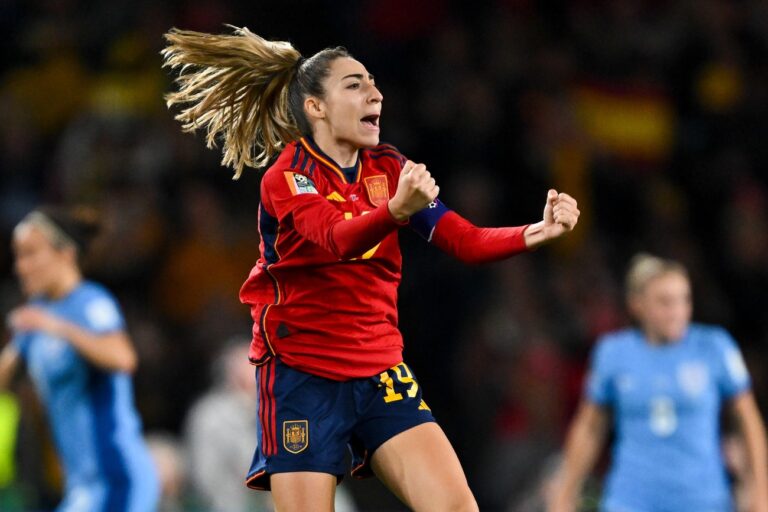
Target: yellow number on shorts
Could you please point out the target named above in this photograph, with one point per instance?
(404, 376)
(407, 379)
(389, 387)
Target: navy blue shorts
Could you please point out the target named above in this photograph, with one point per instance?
(308, 423)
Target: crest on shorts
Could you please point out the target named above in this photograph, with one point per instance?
(296, 435)
(378, 189)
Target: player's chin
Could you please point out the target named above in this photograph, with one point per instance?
(367, 139)
(675, 332)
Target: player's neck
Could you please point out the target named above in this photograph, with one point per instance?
(344, 154)
(659, 340)
(69, 280)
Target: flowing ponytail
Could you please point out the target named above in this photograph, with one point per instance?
(236, 87)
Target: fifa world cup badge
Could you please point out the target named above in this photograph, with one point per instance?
(378, 190)
(296, 435)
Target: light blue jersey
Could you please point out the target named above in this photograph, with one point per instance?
(666, 403)
(95, 426)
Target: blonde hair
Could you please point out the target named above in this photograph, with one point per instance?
(236, 87)
(645, 267)
(244, 90)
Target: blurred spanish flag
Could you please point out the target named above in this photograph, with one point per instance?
(630, 122)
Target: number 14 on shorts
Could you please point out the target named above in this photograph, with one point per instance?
(400, 375)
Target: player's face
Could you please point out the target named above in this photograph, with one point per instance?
(37, 262)
(664, 307)
(352, 104)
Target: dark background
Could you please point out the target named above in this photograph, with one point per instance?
(653, 114)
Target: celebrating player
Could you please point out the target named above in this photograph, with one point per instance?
(664, 383)
(323, 293)
(72, 338)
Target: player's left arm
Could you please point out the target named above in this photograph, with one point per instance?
(471, 244)
(735, 386)
(750, 424)
(110, 350)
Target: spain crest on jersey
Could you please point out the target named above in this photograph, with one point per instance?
(378, 190)
(296, 435)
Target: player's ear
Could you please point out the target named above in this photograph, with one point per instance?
(69, 253)
(314, 107)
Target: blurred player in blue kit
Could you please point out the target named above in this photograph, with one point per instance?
(71, 335)
(661, 387)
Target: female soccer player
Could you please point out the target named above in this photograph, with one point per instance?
(71, 335)
(323, 293)
(664, 382)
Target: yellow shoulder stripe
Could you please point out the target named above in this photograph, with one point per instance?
(335, 196)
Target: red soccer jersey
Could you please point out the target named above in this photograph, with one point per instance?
(323, 312)
(323, 294)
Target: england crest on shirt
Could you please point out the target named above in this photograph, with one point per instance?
(693, 377)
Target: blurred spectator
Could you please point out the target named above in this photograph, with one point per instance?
(221, 437)
(209, 258)
(171, 462)
(220, 434)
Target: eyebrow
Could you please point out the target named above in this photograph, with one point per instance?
(359, 76)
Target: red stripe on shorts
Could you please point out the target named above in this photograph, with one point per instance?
(272, 408)
(262, 408)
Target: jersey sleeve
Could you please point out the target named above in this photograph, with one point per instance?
(450, 232)
(425, 221)
(458, 237)
(102, 314)
(292, 197)
(599, 385)
(732, 374)
(20, 342)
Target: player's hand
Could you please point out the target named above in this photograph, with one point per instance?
(561, 214)
(416, 188)
(31, 318)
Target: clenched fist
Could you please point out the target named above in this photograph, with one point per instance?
(416, 188)
(561, 214)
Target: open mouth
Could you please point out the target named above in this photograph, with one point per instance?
(371, 121)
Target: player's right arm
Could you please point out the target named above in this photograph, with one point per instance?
(316, 219)
(9, 363)
(583, 445)
(111, 351)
